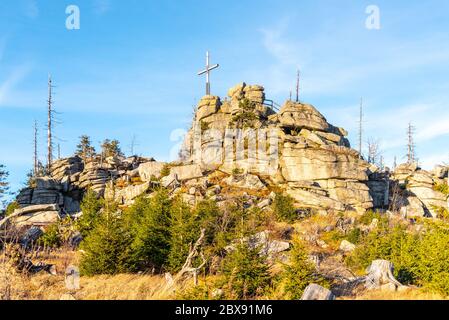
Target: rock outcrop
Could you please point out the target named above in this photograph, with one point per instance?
(299, 151)
(417, 193)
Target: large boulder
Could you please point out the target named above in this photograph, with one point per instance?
(299, 164)
(187, 172)
(149, 170)
(317, 292)
(207, 106)
(245, 181)
(297, 116)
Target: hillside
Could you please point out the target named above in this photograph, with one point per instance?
(263, 202)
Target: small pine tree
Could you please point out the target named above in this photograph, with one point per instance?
(111, 148)
(106, 248)
(246, 116)
(184, 230)
(299, 273)
(90, 207)
(284, 208)
(149, 223)
(246, 273)
(85, 149)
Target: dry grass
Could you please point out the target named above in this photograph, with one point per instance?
(410, 294)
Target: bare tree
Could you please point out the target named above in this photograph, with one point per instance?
(133, 144)
(297, 86)
(50, 113)
(374, 152)
(411, 154)
(361, 128)
(35, 158)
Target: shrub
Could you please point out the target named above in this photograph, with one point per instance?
(369, 215)
(245, 272)
(148, 221)
(184, 230)
(300, 272)
(246, 116)
(58, 234)
(442, 213)
(395, 244)
(433, 258)
(106, 248)
(283, 207)
(442, 187)
(165, 171)
(51, 237)
(90, 207)
(12, 207)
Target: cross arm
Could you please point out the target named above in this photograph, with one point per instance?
(208, 69)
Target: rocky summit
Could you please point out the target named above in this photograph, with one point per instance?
(248, 144)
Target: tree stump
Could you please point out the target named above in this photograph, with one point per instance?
(380, 273)
(317, 292)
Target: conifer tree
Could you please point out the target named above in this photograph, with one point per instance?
(300, 272)
(111, 148)
(90, 207)
(85, 149)
(149, 223)
(246, 272)
(105, 249)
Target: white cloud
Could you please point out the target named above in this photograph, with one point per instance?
(428, 162)
(7, 86)
(31, 9)
(101, 6)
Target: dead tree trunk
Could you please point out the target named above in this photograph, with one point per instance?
(380, 273)
(187, 268)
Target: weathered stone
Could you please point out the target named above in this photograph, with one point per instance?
(296, 116)
(347, 246)
(36, 208)
(41, 218)
(150, 170)
(207, 106)
(187, 172)
(317, 292)
(245, 181)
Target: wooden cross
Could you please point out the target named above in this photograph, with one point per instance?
(207, 71)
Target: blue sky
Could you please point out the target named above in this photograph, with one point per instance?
(131, 69)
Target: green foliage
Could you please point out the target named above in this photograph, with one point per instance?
(111, 148)
(433, 258)
(246, 116)
(12, 207)
(51, 238)
(165, 170)
(245, 272)
(90, 206)
(283, 207)
(418, 259)
(442, 187)
(106, 248)
(4, 185)
(148, 221)
(237, 171)
(393, 244)
(300, 272)
(57, 234)
(354, 235)
(369, 215)
(184, 230)
(442, 213)
(200, 292)
(204, 126)
(84, 149)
